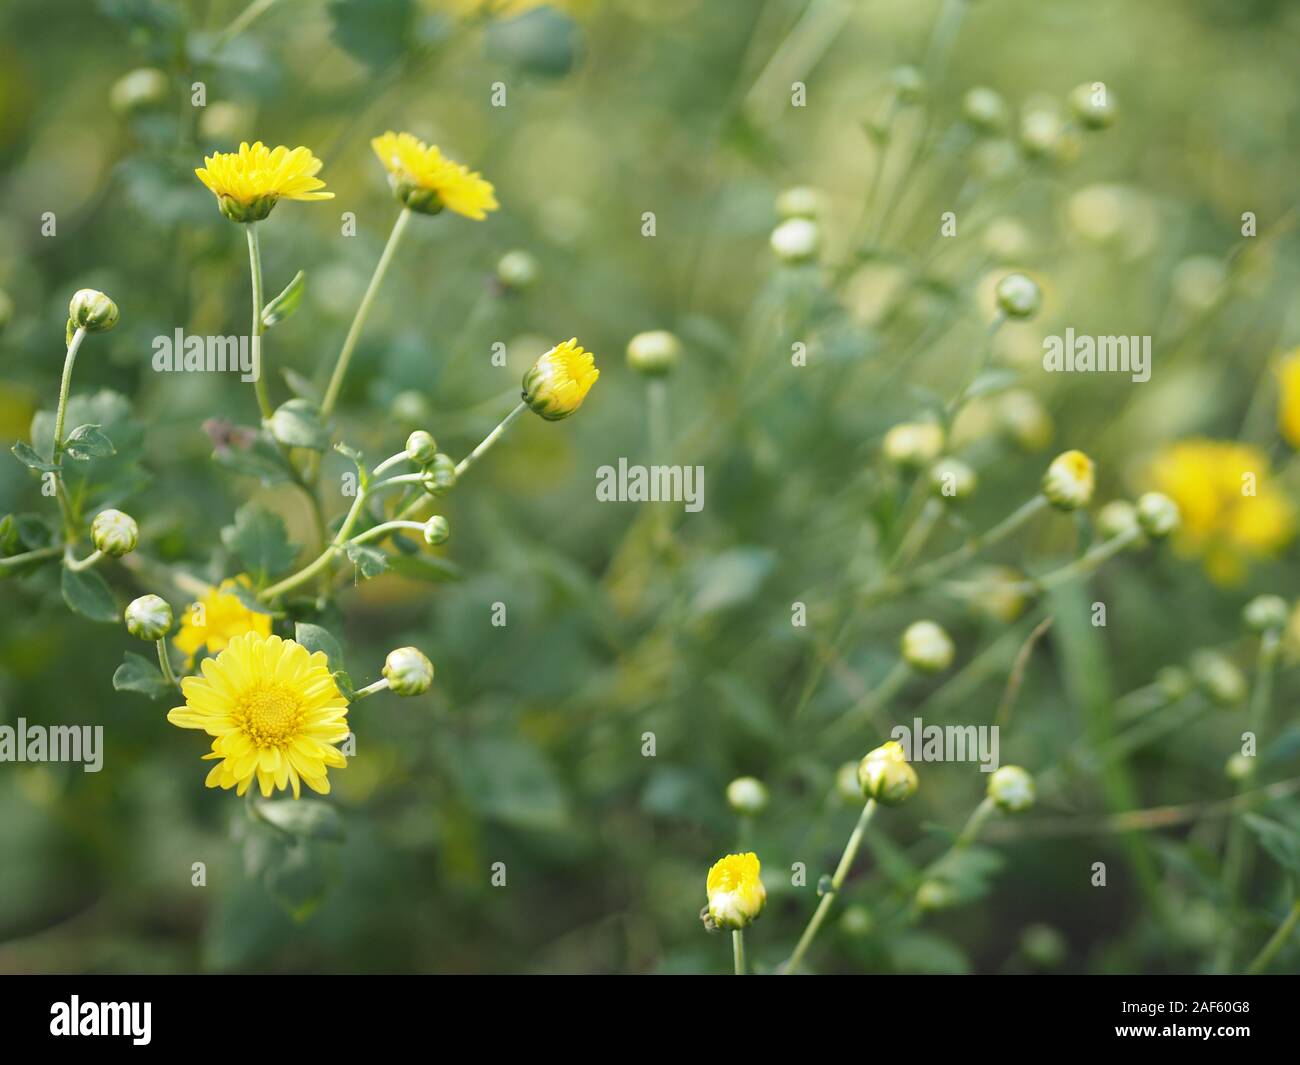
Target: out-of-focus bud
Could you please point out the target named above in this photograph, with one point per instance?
(1069, 481)
(557, 383)
(436, 530)
(1092, 105)
(1266, 613)
(736, 892)
(985, 109)
(114, 533)
(654, 353)
(994, 158)
(92, 311)
(1239, 768)
(1157, 514)
(408, 671)
(857, 922)
(747, 795)
(139, 90)
(952, 479)
(1218, 677)
(410, 408)
(440, 476)
(885, 775)
(1044, 946)
(913, 445)
(999, 593)
(1007, 240)
(1024, 419)
(1018, 296)
(422, 447)
(801, 201)
(909, 84)
(926, 647)
(934, 895)
(1044, 135)
(846, 783)
(517, 270)
(1117, 518)
(148, 618)
(796, 240)
(1011, 789)
(1173, 682)
(1198, 281)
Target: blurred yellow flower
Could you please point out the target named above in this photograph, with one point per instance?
(218, 618)
(1288, 410)
(559, 381)
(1231, 511)
(427, 182)
(249, 183)
(505, 8)
(735, 890)
(275, 711)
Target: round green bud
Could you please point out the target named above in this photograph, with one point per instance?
(1157, 514)
(796, 240)
(148, 618)
(1043, 135)
(1019, 296)
(1218, 677)
(139, 90)
(92, 311)
(1044, 946)
(440, 478)
(747, 795)
(885, 775)
(436, 530)
(1069, 481)
(1173, 682)
(846, 783)
(801, 201)
(934, 895)
(408, 671)
(421, 447)
(1092, 105)
(984, 109)
(517, 270)
(857, 922)
(926, 647)
(1266, 613)
(909, 84)
(913, 445)
(1011, 789)
(1117, 518)
(114, 533)
(952, 479)
(1239, 768)
(410, 408)
(655, 353)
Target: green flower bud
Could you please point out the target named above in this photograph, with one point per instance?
(1218, 677)
(1023, 418)
(408, 671)
(1157, 514)
(801, 201)
(114, 533)
(92, 311)
(985, 109)
(148, 618)
(1019, 296)
(139, 90)
(857, 922)
(913, 445)
(1117, 518)
(655, 353)
(1069, 481)
(885, 775)
(1043, 135)
(1011, 789)
(747, 795)
(909, 84)
(952, 479)
(440, 477)
(1044, 946)
(926, 647)
(517, 270)
(436, 530)
(1239, 768)
(846, 783)
(410, 408)
(421, 447)
(934, 895)
(796, 240)
(1093, 106)
(1173, 682)
(1266, 613)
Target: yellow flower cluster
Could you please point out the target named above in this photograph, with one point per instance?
(217, 618)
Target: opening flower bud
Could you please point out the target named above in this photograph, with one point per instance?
(885, 775)
(440, 477)
(408, 671)
(114, 533)
(735, 890)
(436, 530)
(1018, 296)
(1157, 514)
(421, 447)
(796, 240)
(1069, 481)
(655, 353)
(747, 795)
(92, 311)
(1012, 789)
(557, 383)
(148, 618)
(926, 647)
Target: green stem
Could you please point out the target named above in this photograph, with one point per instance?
(489, 440)
(738, 950)
(378, 532)
(363, 312)
(958, 401)
(322, 561)
(165, 665)
(1276, 941)
(837, 881)
(370, 689)
(77, 565)
(927, 573)
(255, 336)
(32, 556)
(975, 823)
(868, 708)
(60, 416)
(1083, 565)
(242, 21)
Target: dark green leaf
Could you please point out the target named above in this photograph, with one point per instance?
(138, 674)
(369, 561)
(1281, 841)
(316, 638)
(27, 455)
(86, 593)
(88, 442)
(297, 423)
(259, 539)
(286, 303)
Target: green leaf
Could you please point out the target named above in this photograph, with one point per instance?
(378, 32)
(543, 41)
(297, 423)
(87, 442)
(27, 455)
(509, 780)
(924, 952)
(301, 386)
(316, 638)
(138, 674)
(310, 818)
(284, 305)
(86, 593)
(369, 561)
(358, 460)
(1281, 841)
(105, 480)
(425, 568)
(262, 460)
(259, 539)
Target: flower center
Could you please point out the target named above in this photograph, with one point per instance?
(269, 714)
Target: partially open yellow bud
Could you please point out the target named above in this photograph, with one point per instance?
(885, 775)
(735, 890)
(558, 382)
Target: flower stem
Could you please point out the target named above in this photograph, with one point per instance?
(60, 417)
(363, 312)
(255, 335)
(32, 556)
(868, 709)
(380, 685)
(841, 871)
(165, 665)
(999, 532)
(464, 464)
(738, 950)
(322, 561)
(975, 823)
(77, 565)
(1276, 941)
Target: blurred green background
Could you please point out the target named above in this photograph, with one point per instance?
(528, 751)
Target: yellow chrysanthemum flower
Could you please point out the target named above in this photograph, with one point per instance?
(218, 618)
(275, 711)
(248, 183)
(1288, 409)
(425, 181)
(559, 381)
(735, 890)
(1231, 511)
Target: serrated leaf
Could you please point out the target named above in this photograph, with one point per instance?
(28, 456)
(297, 423)
(260, 541)
(286, 303)
(86, 593)
(370, 562)
(88, 442)
(309, 818)
(138, 674)
(317, 638)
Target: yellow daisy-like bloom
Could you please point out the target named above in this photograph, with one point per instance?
(275, 711)
(248, 183)
(735, 890)
(559, 381)
(218, 618)
(1288, 410)
(426, 182)
(1231, 511)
